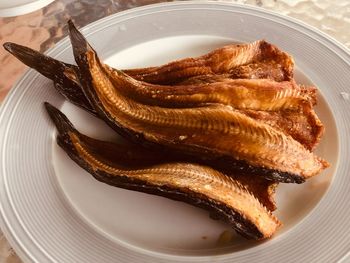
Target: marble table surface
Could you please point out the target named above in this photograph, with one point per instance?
(41, 29)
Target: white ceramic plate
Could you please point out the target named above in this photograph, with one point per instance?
(21, 7)
(53, 211)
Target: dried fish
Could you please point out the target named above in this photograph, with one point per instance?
(199, 185)
(259, 59)
(211, 132)
(303, 126)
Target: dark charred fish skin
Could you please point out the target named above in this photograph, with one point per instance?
(61, 73)
(241, 218)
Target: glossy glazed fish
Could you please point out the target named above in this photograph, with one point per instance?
(304, 126)
(201, 186)
(205, 132)
(291, 103)
(252, 94)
